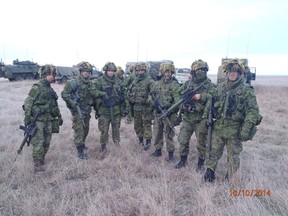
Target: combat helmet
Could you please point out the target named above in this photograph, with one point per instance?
(140, 66)
(85, 66)
(47, 69)
(167, 67)
(109, 66)
(199, 64)
(131, 68)
(119, 71)
(234, 65)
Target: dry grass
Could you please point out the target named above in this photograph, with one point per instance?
(129, 181)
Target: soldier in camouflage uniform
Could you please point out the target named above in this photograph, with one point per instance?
(236, 114)
(42, 99)
(193, 114)
(120, 74)
(127, 83)
(112, 104)
(78, 91)
(141, 103)
(167, 92)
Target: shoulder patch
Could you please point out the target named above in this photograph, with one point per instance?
(34, 92)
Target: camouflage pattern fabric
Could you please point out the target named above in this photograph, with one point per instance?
(84, 88)
(42, 99)
(104, 122)
(167, 93)
(193, 119)
(236, 112)
(138, 95)
(111, 106)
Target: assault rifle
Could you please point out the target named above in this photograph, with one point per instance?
(185, 98)
(29, 132)
(160, 108)
(210, 125)
(76, 98)
(111, 103)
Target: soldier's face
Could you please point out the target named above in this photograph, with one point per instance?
(140, 72)
(50, 78)
(232, 75)
(110, 73)
(167, 75)
(85, 74)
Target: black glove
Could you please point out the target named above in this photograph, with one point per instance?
(60, 121)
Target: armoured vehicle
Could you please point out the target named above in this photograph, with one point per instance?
(250, 72)
(20, 70)
(64, 73)
(1, 71)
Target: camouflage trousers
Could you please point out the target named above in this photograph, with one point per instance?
(233, 146)
(143, 124)
(160, 128)
(41, 140)
(186, 131)
(104, 122)
(80, 132)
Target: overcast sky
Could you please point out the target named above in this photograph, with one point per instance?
(66, 32)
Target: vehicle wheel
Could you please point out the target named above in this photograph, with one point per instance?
(29, 77)
(19, 78)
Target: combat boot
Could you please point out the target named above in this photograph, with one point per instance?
(38, 166)
(200, 165)
(117, 143)
(209, 175)
(171, 157)
(141, 140)
(81, 154)
(147, 145)
(157, 153)
(182, 162)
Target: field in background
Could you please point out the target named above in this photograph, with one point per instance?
(128, 181)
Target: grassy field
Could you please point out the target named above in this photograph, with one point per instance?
(128, 181)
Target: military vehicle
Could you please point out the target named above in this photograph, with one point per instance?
(250, 74)
(1, 71)
(65, 73)
(20, 70)
(153, 67)
(182, 75)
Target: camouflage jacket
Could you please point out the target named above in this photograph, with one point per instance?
(138, 93)
(84, 88)
(42, 99)
(234, 107)
(195, 109)
(167, 92)
(110, 94)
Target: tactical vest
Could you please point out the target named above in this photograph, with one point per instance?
(165, 92)
(230, 103)
(139, 91)
(45, 100)
(114, 91)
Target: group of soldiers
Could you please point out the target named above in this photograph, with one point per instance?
(163, 104)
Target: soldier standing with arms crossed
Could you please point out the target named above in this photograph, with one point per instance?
(78, 97)
(42, 101)
(236, 114)
(193, 114)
